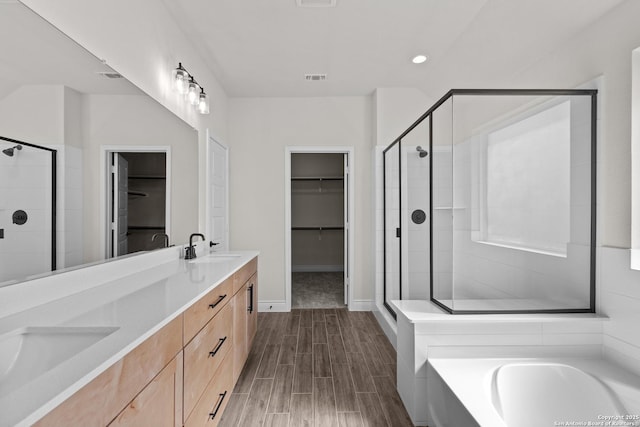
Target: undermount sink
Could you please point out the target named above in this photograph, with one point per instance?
(212, 258)
(29, 352)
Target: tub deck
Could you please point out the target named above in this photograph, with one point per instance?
(472, 381)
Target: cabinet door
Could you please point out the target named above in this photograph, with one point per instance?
(252, 309)
(240, 349)
(159, 404)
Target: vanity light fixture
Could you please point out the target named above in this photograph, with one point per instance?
(185, 84)
(419, 59)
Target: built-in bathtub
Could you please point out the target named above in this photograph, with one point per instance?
(531, 392)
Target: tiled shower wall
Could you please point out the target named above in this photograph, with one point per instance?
(618, 295)
(69, 210)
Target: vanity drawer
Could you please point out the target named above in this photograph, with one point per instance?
(242, 275)
(204, 355)
(196, 316)
(210, 407)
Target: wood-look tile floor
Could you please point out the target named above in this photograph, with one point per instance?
(318, 367)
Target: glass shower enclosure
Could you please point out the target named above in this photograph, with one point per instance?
(27, 210)
(489, 203)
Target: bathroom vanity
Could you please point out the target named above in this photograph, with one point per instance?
(163, 345)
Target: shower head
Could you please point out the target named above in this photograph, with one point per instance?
(423, 153)
(9, 151)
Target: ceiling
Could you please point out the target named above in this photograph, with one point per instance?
(264, 48)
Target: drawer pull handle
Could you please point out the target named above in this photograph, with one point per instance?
(215, 350)
(220, 298)
(250, 290)
(221, 397)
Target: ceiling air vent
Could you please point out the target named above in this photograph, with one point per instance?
(110, 74)
(316, 3)
(315, 77)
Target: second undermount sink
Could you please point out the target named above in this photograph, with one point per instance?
(213, 258)
(29, 352)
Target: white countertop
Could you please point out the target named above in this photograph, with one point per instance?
(138, 304)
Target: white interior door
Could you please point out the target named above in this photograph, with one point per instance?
(218, 197)
(120, 204)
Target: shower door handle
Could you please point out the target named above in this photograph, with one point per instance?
(398, 232)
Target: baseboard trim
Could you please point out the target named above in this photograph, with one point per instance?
(362, 305)
(272, 306)
(388, 325)
(317, 268)
(281, 306)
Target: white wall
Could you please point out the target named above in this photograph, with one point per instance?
(635, 150)
(29, 104)
(260, 129)
(395, 109)
(619, 298)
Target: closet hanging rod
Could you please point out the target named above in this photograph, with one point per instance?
(317, 228)
(317, 178)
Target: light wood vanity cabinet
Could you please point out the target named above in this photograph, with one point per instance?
(205, 354)
(183, 374)
(245, 321)
(160, 403)
(252, 321)
(239, 304)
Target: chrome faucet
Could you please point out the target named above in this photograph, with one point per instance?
(190, 251)
(165, 237)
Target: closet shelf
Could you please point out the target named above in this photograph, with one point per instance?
(146, 177)
(317, 178)
(320, 228)
(318, 190)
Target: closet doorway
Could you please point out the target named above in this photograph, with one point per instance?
(137, 199)
(318, 195)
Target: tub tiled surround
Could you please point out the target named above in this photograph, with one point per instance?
(619, 298)
(423, 329)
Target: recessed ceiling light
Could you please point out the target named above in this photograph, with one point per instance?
(419, 59)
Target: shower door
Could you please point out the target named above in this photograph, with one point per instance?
(392, 197)
(406, 222)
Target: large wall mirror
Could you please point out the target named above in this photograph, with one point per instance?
(125, 168)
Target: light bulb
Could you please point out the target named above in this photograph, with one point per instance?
(203, 103)
(419, 59)
(181, 80)
(193, 92)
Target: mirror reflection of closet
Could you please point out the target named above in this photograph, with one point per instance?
(139, 202)
(317, 232)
